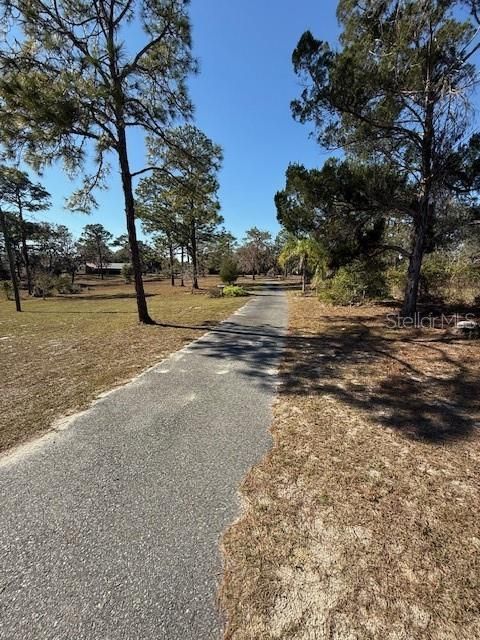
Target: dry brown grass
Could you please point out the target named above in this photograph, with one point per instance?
(363, 522)
(59, 353)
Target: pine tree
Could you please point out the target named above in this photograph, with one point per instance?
(69, 76)
(398, 91)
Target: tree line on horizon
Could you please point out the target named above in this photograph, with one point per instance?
(41, 256)
(396, 98)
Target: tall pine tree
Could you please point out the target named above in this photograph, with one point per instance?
(397, 91)
(71, 75)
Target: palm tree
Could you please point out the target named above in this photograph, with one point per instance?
(307, 251)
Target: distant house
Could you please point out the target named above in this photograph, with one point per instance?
(109, 269)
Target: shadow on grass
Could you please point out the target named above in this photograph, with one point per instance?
(366, 372)
(415, 385)
(434, 398)
(410, 383)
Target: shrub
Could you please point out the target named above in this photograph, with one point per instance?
(44, 285)
(341, 289)
(450, 277)
(127, 273)
(436, 275)
(228, 271)
(214, 292)
(354, 283)
(64, 285)
(396, 279)
(7, 289)
(446, 276)
(234, 291)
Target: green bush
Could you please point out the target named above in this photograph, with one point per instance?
(436, 275)
(354, 283)
(8, 290)
(65, 286)
(127, 273)
(234, 291)
(447, 276)
(450, 277)
(44, 285)
(228, 271)
(396, 279)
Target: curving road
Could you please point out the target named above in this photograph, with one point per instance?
(109, 529)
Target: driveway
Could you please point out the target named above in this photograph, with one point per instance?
(109, 529)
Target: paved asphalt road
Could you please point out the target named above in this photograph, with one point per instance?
(109, 529)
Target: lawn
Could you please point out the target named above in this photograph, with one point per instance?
(59, 353)
(363, 521)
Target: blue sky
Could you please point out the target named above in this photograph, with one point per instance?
(242, 101)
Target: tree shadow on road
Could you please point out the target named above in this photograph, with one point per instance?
(254, 349)
(422, 385)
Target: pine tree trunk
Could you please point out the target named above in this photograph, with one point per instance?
(304, 274)
(170, 259)
(101, 264)
(424, 214)
(18, 264)
(409, 306)
(143, 315)
(193, 240)
(420, 229)
(26, 257)
(11, 260)
(182, 283)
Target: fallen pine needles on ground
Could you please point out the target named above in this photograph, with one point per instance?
(362, 523)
